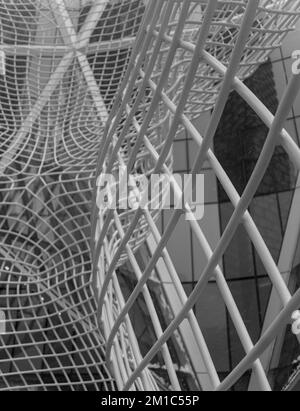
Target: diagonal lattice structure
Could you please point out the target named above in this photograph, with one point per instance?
(61, 65)
(188, 57)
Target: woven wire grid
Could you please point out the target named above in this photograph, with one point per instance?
(161, 43)
(61, 65)
(269, 29)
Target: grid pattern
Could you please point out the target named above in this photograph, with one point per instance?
(61, 64)
(229, 33)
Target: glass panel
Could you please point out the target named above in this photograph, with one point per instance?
(285, 201)
(238, 260)
(266, 214)
(264, 289)
(245, 295)
(211, 313)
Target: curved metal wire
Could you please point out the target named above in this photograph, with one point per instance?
(62, 63)
(188, 57)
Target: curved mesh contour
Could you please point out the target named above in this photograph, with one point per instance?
(219, 46)
(61, 65)
(269, 29)
(188, 57)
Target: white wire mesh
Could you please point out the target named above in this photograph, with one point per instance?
(189, 55)
(269, 28)
(62, 63)
(267, 32)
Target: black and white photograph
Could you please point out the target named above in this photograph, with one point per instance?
(149, 198)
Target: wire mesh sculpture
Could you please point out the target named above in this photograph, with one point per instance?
(61, 65)
(221, 40)
(269, 29)
(188, 57)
